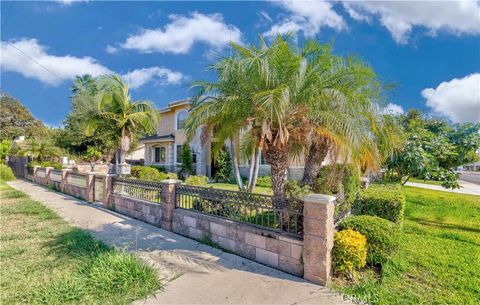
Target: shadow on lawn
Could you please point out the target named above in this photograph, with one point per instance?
(437, 224)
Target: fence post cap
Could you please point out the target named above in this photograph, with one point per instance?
(319, 198)
(170, 181)
(50, 167)
(66, 169)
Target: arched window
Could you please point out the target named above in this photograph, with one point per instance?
(181, 116)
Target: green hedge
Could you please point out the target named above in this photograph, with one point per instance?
(151, 173)
(55, 165)
(341, 180)
(381, 234)
(197, 180)
(383, 200)
(6, 173)
(264, 181)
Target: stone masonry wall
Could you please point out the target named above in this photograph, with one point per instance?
(75, 191)
(146, 211)
(264, 246)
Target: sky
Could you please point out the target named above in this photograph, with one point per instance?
(430, 50)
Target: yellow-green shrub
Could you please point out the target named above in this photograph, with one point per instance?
(6, 173)
(349, 252)
(197, 180)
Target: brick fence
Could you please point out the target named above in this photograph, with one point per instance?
(307, 255)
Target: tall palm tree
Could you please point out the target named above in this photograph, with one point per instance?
(128, 117)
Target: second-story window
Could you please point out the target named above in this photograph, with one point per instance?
(181, 117)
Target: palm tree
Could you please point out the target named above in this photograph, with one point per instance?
(127, 117)
(40, 150)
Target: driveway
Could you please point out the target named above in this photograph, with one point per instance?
(193, 273)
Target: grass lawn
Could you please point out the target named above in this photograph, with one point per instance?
(439, 257)
(45, 261)
(233, 187)
(432, 182)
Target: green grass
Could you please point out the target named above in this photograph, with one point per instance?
(45, 261)
(432, 182)
(439, 257)
(234, 187)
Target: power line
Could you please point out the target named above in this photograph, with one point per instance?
(33, 59)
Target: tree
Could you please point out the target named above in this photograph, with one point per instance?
(186, 158)
(41, 150)
(433, 149)
(4, 150)
(125, 118)
(16, 120)
(85, 106)
(223, 165)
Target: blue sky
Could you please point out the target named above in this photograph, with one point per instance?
(430, 50)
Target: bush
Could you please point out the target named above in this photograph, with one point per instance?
(264, 181)
(381, 234)
(197, 180)
(341, 180)
(151, 173)
(6, 173)
(223, 165)
(294, 190)
(383, 200)
(349, 252)
(55, 165)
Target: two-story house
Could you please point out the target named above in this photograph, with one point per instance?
(164, 149)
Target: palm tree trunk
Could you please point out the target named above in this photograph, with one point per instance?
(316, 155)
(254, 174)
(236, 170)
(124, 146)
(278, 160)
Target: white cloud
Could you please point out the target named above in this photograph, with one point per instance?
(400, 17)
(111, 49)
(160, 75)
(457, 99)
(393, 109)
(183, 32)
(30, 59)
(307, 16)
(69, 2)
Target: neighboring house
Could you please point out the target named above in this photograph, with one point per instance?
(472, 167)
(164, 148)
(137, 155)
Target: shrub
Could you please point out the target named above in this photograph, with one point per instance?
(264, 181)
(349, 252)
(6, 173)
(197, 180)
(55, 165)
(381, 234)
(341, 180)
(223, 165)
(383, 200)
(151, 173)
(294, 190)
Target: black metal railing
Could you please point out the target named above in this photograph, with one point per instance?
(98, 189)
(277, 213)
(56, 175)
(77, 179)
(141, 189)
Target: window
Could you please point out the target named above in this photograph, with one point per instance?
(262, 159)
(181, 116)
(160, 154)
(194, 157)
(179, 153)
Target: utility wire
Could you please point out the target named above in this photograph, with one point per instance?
(33, 59)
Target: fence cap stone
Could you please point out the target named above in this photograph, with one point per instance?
(171, 181)
(319, 198)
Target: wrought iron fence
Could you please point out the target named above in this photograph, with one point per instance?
(77, 179)
(29, 173)
(277, 213)
(141, 189)
(98, 189)
(56, 175)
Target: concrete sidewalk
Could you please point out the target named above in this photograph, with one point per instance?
(466, 187)
(193, 273)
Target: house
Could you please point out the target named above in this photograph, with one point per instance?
(164, 148)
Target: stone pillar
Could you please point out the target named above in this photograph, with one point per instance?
(167, 204)
(48, 170)
(318, 237)
(107, 190)
(90, 187)
(35, 172)
(64, 179)
(25, 171)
